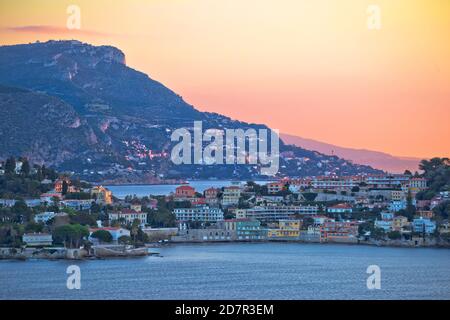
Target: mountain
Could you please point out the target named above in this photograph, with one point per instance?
(36, 125)
(375, 159)
(109, 120)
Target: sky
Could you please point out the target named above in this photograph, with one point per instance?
(317, 69)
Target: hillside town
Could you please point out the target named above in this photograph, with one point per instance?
(45, 213)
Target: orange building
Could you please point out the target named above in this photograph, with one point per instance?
(183, 192)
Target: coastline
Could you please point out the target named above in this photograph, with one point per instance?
(144, 251)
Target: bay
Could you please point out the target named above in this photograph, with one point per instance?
(239, 271)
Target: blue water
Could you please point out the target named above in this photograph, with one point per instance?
(239, 271)
(164, 189)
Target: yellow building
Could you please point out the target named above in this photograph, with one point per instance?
(102, 194)
(417, 184)
(286, 229)
(399, 222)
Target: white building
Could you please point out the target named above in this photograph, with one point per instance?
(37, 239)
(128, 216)
(116, 233)
(278, 212)
(44, 217)
(340, 208)
(231, 196)
(334, 182)
(199, 213)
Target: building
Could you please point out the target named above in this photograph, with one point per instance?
(383, 181)
(59, 183)
(245, 229)
(386, 225)
(37, 239)
(136, 207)
(340, 208)
(279, 212)
(334, 182)
(396, 206)
(425, 214)
(49, 197)
(128, 216)
(339, 231)
(423, 225)
(165, 233)
(204, 235)
(318, 220)
(387, 216)
(199, 213)
(275, 187)
(77, 204)
(18, 168)
(417, 184)
(102, 195)
(312, 234)
(399, 222)
(287, 229)
(231, 196)
(184, 193)
(297, 185)
(116, 233)
(44, 217)
(397, 195)
(240, 213)
(211, 193)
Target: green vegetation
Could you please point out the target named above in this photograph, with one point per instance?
(309, 196)
(26, 182)
(437, 172)
(103, 236)
(442, 211)
(70, 235)
(163, 216)
(394, 235)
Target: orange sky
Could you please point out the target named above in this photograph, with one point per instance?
(310, 68)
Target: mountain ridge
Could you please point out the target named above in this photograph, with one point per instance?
(130, 115)
(376, 159)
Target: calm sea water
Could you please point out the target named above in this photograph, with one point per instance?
(164, 189)
(239, 271)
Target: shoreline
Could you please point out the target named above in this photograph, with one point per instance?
(90, 257)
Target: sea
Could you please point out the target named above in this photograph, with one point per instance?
(239, 271)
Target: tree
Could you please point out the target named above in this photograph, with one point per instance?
(65, 187)
(25, 167)
(309, 196)
(134, 229)
(83, 219)
(10, 165)
(410, 210)
(34, 227)
(70, 235)
(442, 210)
(437, 173)
(378, 233)
(103, 236)
(394, 235)
(124, 240)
